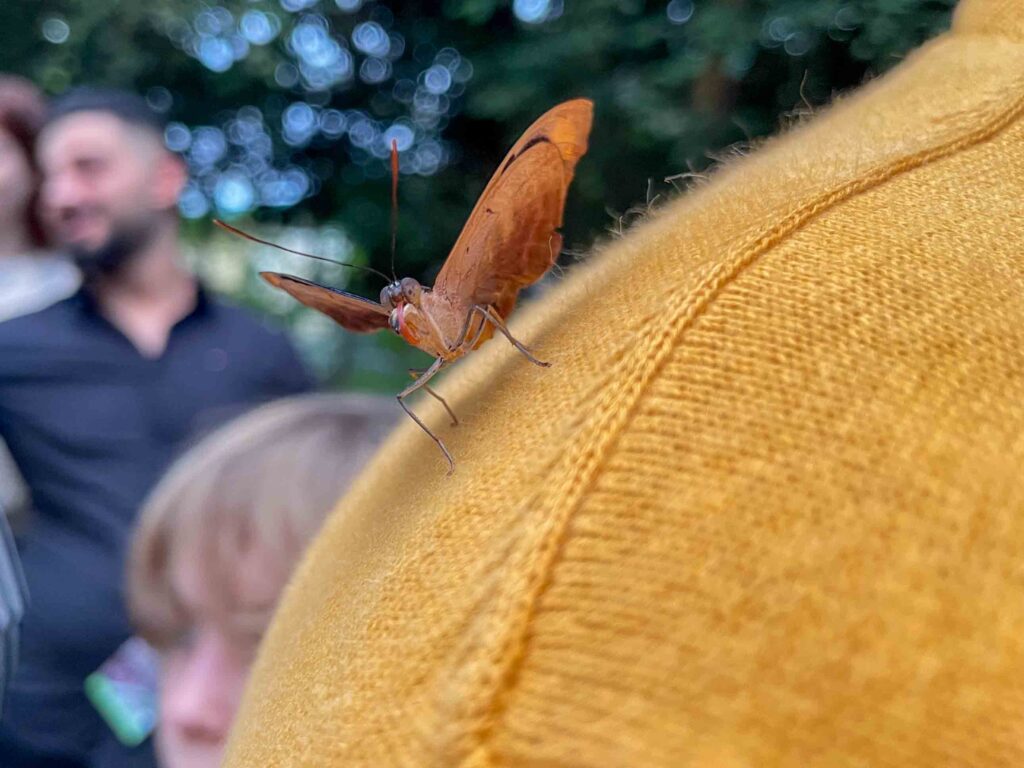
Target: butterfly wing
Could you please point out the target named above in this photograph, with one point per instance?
(354, 313)
(510, 239)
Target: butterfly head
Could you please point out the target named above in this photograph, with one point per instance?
(402, 297)
(404, 291)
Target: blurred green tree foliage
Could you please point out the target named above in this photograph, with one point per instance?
(285, 108)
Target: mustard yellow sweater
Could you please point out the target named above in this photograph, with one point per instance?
(767, 506)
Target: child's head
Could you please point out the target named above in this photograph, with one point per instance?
(216, 542)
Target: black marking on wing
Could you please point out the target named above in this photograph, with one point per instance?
(352, 312)
(531, 143)
(368, 303)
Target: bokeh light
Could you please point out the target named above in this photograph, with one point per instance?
(56, 30)
(370, 38)
(536, 11)
(192, 202)
(234, 193)
(177, 137)
(400, 133)
(216, 53)
(160, 99)
(259, 28)
(679, 11)
(374, 71)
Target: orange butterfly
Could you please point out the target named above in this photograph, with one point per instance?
(508, 243)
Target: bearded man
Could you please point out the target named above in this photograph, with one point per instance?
(97, 395)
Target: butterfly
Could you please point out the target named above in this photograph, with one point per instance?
(509, 242)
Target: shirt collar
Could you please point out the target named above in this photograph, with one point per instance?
(85, 299)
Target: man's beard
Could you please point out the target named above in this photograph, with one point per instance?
(110, 258)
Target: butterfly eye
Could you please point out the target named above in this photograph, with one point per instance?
(385, 297)
(411, 290)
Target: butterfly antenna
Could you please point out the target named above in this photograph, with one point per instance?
(247, 236)
(394, 205)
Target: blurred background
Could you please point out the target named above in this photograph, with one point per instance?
(285, 110)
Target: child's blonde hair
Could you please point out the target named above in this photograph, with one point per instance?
(261, 484)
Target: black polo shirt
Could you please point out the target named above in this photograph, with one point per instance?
(92, 424)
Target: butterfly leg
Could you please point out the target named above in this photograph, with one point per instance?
(415, 372)
(490, 315)
(465, 329)
(422, 382)
(480, 331)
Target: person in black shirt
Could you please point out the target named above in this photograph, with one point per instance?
(98, 394)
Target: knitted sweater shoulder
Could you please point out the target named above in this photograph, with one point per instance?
(765, 508)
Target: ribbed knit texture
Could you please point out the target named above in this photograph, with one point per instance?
(767, 506)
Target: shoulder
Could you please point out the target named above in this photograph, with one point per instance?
(31, 282)
(265, 347)
(27, 341)
(35, 327)
(245, 322)
(252, 334)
